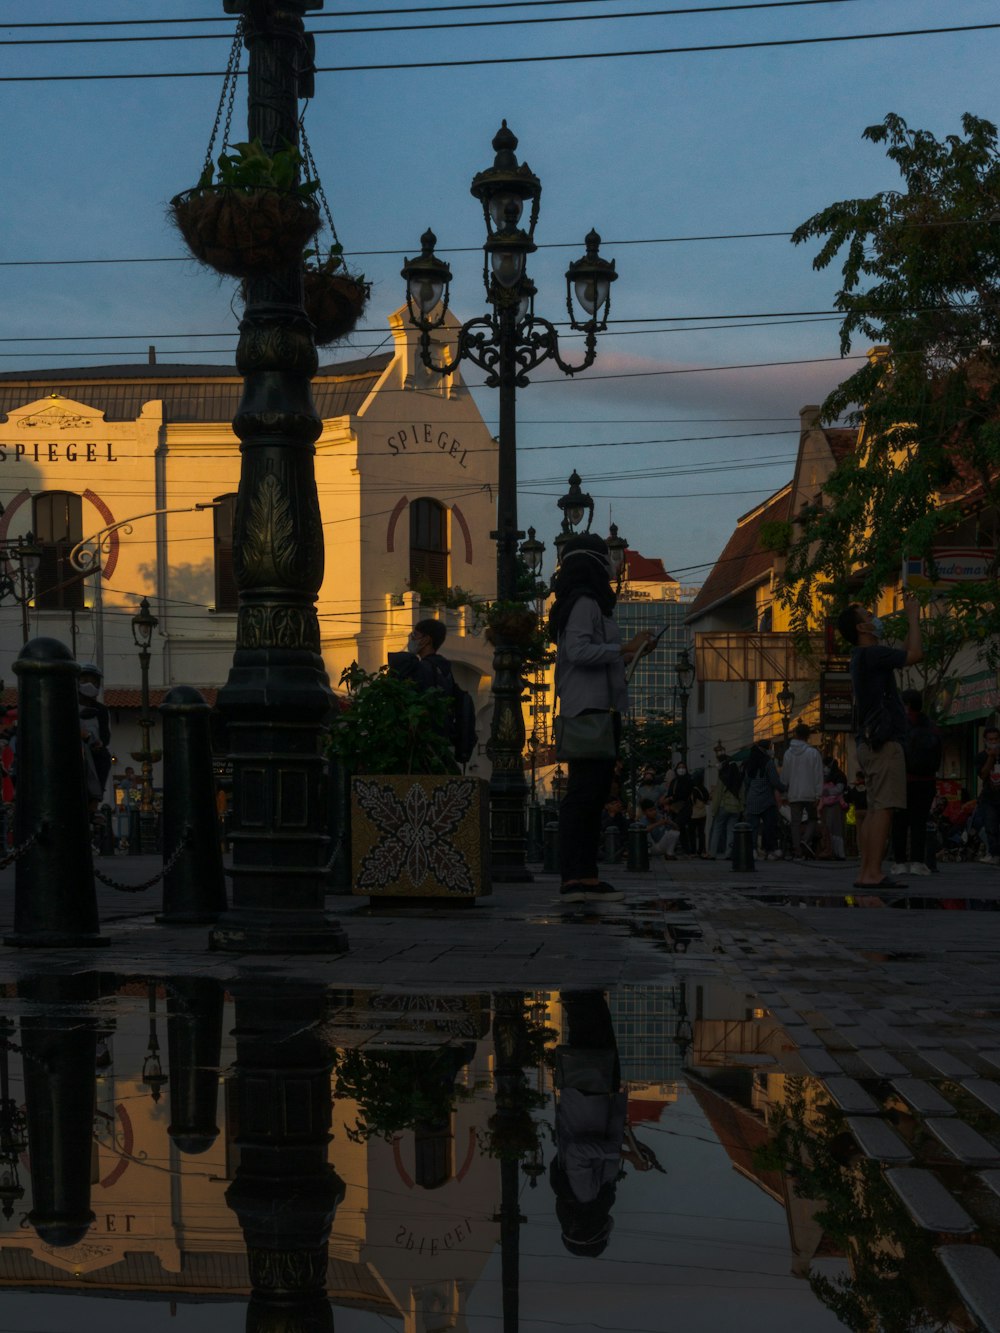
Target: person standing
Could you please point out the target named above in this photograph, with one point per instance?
(95, 733)
(880, 727)
(988, 768)
(763, 788)
(727, 805)
(802, 774)
(831, 810)
(699, 815)
(424, 665)
(681, 794)
(590, 678)
(922, 749)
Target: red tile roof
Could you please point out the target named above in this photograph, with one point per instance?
(742, 562)
(842, 441)
(646, 569)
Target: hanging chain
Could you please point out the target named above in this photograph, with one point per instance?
(228, 87)
(168, 865)
(313, 175)
(16, 853)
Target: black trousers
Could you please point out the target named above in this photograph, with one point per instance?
(588, 787)
(911, 823)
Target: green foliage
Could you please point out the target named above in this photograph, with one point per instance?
(775, 535)
(314, 261)
(431, 595)
(249, 167)
(969, 617)
(397, 1090)
(921, 279)
(390, 726)
(649, 740)
(518, 623)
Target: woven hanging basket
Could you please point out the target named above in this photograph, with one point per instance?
(515, 627)
(334, 302)
(242, 232)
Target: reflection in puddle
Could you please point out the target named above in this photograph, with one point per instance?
(291, 1156)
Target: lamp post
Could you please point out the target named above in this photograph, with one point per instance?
(143, 624)
(508, 344)
(17, 584)
(786, 702)
(153, 1076)
(685, 679)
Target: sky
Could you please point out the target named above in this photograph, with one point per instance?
(689, 417)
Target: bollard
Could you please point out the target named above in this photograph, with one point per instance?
(550, 859)
(339, 828)
(536, 833)
(194, 1043)
(55, 902)
(59, 1045)
(194, 888)
(931, 845)
(612, 844)
(743, 847)
(638, 848)
(134, 832)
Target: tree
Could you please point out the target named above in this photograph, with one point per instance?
(921, 280)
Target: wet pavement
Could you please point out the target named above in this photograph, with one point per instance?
(729, 1098)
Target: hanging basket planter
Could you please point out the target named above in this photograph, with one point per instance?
(334, 302)
(240, 231)
(512, 626)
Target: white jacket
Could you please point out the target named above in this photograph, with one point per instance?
(802, 772)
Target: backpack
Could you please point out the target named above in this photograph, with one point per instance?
(462, 716)
(731, 778)
(923, 752)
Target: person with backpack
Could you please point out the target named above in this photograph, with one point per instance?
(922, 748)
(726, 806)
(424, 665)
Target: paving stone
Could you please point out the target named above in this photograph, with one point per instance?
(964, 1143)
(923, 1098)
(928, 1202)
(975, 1271)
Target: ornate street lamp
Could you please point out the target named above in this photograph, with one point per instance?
(508, 344)
(19, 562)
(685, 679)
(574, 506)
(143, 624)
(153, 1076)
(785, 700)
(617, 547)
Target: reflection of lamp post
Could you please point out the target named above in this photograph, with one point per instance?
(786, 702)
(508, 344)
(143, 624)
(19, 586)
(153, 1076)
(685, 679)
(12, 1136)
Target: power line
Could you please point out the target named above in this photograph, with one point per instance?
(494, 61)
(430, 27)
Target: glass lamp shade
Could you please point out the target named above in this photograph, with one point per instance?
(425, 293)
(685, 670)
(143, 624)
(505, 206)
(591, 293)
(427, 277)
(29, 555)
(532, 551)
(505, 187)
(576, 503)
(575, 514)
(507, 265)
(590, 278)
(786, 700)
(617, 546)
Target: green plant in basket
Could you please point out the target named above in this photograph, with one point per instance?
(389, 726)
(334, 297)
(249, 167)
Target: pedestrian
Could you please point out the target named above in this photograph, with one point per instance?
(647, 788)
(589, 680)
(95, 733)
(856, 796)
(988, 768)
(880, 722)
(726, 805)
(763, 789)
(613, 816)
(661, 829)
(922, 749)
(699, 815)
(424, 665)
(681, 793)
(802, 774)
(831, 810)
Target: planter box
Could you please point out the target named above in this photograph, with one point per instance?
(419, 836)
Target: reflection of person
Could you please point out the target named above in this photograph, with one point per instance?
(873, 668)
(988, 768)
(590, 678)
(923, 759)
(591, 1110)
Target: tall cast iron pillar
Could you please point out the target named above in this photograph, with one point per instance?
(277, 695)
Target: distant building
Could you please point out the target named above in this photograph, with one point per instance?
(651, 599)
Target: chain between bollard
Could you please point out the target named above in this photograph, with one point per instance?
(168, 865)
(18, 852)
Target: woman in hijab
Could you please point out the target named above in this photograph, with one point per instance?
(590, 678)
(763, 787)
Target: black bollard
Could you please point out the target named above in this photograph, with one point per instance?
(194, 1043)
(339, 828)
(550, 859)
(612, 844)
(55, 902)
(931, 845)
(59, 1047)
(194, 888)
(536, 833)
(638, 848)
(743, 847)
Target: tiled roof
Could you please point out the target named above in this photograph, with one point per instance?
(120, 697)
(739, 1131)
(842, 441)
(188, 392)
(646, 569)
(742, 562)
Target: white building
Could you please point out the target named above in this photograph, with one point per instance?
(406, 474)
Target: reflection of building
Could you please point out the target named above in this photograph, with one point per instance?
(406, 473)
(645, 1021)
(651, 599)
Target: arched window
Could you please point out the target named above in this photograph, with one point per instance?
(428, 543)
(58, 526)
(226, 593)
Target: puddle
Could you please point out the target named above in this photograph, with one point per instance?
(297, 1157)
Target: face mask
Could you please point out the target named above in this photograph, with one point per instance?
(88, 691)
(413, 646)
(682, 772)
(877, 629)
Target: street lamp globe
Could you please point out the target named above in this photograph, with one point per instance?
(427, 279)
(504, 188)
(29, 553)
(786, 700)
(590, 279)
(575, 503)
(143, 624)
(617, 546)
(685, 671)
(532, 551)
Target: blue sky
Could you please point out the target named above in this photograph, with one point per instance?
(643, 148)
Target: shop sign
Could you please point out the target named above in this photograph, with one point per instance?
(976, 696)
(947, 566)
(836, 701)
